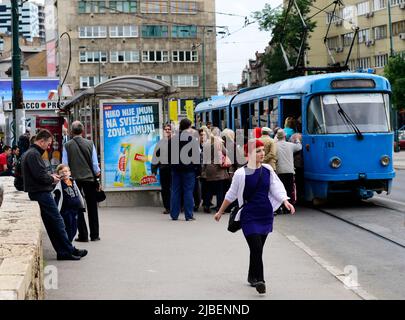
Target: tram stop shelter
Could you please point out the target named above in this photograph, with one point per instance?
(123, 116)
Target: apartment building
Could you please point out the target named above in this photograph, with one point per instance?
(32, 20)
(374, 43)
(174, 41)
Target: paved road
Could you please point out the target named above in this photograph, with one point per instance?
(144, 255)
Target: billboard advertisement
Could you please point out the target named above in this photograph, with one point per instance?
(33, 89)
(129, 134)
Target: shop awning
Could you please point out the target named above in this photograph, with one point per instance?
(125, 87)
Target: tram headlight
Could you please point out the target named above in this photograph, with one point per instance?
(335, 162)
(385, 160)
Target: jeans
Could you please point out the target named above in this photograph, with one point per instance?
(182, 185)
(53, 221)
(256, 243)
(166, 183)
(89, 190)
(70, 218)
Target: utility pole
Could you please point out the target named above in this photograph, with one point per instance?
(18, 106)
(395, 113)
(203, 64)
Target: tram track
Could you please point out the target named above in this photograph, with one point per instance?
(359, 226)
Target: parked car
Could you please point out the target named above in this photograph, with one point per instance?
(401, 137)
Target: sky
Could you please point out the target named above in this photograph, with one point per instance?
(233, 52)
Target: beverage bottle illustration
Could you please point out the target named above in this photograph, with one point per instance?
(120, 173)
(138, 165)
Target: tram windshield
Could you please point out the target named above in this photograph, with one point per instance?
(369, 112)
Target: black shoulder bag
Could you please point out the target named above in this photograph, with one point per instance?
(233, 225)
(100, 194)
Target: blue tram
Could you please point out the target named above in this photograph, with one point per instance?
(346, 128)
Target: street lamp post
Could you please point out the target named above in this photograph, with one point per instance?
(18, 107)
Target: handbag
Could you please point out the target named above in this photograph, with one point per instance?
(100, 194)
(233, 225)
(225, 162)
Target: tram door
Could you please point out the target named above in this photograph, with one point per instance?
(291, 106)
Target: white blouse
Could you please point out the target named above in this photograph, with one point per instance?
(277, 193)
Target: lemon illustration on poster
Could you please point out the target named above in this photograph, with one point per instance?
(130, 134)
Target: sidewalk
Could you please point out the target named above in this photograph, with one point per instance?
(399, 160)
(144, 255)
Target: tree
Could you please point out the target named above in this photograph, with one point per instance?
(394, 71)
(290, 37)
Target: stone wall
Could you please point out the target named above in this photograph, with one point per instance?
(21, 260)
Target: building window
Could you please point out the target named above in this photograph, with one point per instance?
(395, 2)
(91, 81)
(398, 27)
(124, 56)
(92, 32)
(380, 32)
(347, 39)
(93, 56)
(184, 31)
(363, 8)
(154, 7)
(381, 60)
(364, 35)
(185, 80)
(91, 6)
(128, 6)
(184, 56)
(187, 7)
(333, 42)
(363, 63)
(124, 31)
(155, 31)
(379, 4)
(330, 17)
(155, 56)
(163, 78)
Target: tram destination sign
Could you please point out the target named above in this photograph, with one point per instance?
(35, 105)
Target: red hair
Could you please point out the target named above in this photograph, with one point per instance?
(258, 132)
(252, 144)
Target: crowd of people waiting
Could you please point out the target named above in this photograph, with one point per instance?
(213, 158)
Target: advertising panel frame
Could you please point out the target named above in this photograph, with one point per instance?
(104, 102)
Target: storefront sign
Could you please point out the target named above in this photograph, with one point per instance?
(35, 105)
(129, 136)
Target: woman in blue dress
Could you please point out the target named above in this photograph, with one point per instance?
(258, 189)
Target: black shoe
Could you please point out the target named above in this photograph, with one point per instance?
(252, 281)
(195, 209)
(191, 219)
(81, 240)
(95, 239)
(260, 287)
(166, 212)
(80, 253)
(207, 210)
(68, 257)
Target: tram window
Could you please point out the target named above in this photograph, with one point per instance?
(222, 123)
(215, 118)
(264, 113)
(244, 115)
(315, 117)
(273, 104)
(237, 117)
(255, 114)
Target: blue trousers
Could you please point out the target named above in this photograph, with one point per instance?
(70, 218)
(182, 186)
(53, 221)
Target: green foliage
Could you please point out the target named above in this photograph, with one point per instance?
(273, 20)
(394, 71)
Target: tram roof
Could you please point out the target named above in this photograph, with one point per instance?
(125, 87)
(299, 85)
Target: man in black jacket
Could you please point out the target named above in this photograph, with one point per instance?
(39, 184)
